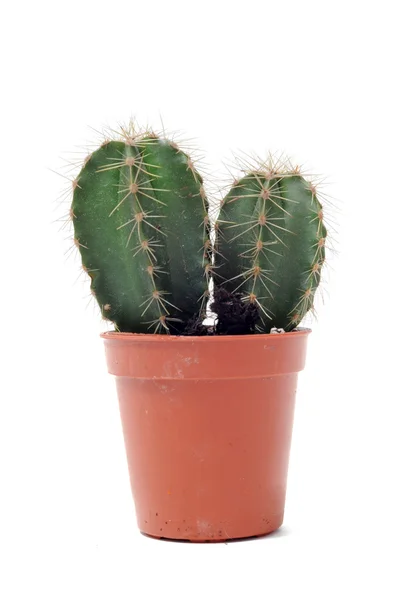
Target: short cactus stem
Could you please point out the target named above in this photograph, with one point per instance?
(137, 206)
(271, 234)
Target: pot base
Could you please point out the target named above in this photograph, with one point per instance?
(194, 534)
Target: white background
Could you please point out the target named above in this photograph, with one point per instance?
(317, 80)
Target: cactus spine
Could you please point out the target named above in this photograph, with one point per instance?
(270, 243)
(140, 217)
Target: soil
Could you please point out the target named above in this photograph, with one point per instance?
(195, 327)
(235, 317)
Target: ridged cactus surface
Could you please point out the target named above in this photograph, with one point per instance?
(270, 244)
(140, 221)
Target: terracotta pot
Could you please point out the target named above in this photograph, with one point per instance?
(207, 423)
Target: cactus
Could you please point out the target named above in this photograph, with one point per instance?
(270, 243)
(142, 227)
(140, 217)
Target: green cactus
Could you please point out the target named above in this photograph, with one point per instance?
(270, 243)
(140, 217)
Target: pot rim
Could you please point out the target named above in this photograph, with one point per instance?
(160, 356)
(202, 339)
